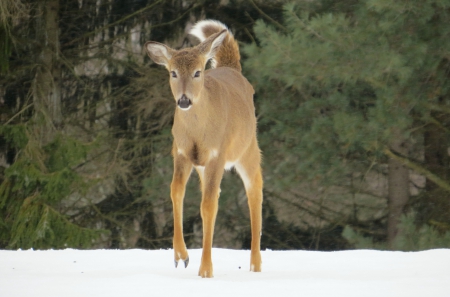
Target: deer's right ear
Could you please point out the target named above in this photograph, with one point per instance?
(159, 53)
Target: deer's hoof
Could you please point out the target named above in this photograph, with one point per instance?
(186, 262)
(206, 271)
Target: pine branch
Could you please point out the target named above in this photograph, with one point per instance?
(18, 113)
(439, 225)
(114, 23)
(438, 107)
(278, 25)
(126, 18)
(434, 121)
(420, 169)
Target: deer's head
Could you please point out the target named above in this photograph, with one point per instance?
(186, 67)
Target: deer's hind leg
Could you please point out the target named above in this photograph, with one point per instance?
(182, 171)
(249, 169)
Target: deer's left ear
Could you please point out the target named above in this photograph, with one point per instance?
(210, 46)
(159, 53)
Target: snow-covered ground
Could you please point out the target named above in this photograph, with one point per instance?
(124, 273)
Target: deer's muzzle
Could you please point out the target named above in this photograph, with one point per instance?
(184, 102)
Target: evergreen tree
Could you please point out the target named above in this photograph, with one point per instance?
(347, 87)
(85, 136)
(71, 150)
(412, 238)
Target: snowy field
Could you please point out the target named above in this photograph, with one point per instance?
(135, 273)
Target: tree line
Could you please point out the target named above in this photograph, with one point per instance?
(352, 102)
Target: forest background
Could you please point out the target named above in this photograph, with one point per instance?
(353, 105)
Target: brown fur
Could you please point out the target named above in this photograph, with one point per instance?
(228, 53)
(217, 131)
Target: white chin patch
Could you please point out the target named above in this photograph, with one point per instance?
(185, 109)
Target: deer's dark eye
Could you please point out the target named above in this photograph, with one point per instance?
(173, 73)
(197, 74)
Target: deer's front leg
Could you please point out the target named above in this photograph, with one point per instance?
(210, 197)
(181, 173)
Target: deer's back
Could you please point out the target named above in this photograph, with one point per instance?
(232, 97)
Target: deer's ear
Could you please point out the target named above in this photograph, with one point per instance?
(159, 53)
(211, 44)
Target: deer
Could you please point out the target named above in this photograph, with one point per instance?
(214, 129)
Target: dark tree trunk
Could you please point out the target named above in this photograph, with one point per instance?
(398, 188)
(436, 201)
(47, 89)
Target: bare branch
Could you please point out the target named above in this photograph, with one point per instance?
(420, 169)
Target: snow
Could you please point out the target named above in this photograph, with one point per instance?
(285, 273)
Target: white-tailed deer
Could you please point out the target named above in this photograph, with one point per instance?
(214, 129)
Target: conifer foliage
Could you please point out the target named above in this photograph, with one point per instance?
(85, 121)
(347, 91)
(73, 86)
(32, 188)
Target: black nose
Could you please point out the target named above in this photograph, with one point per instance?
(184, 102)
